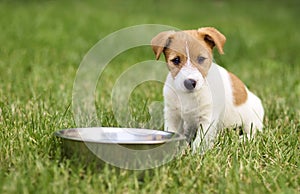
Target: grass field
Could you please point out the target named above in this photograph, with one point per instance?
(43, 43)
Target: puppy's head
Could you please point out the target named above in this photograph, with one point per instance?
(188, 54)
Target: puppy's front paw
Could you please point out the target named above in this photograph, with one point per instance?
(200, 146)
(196, 145)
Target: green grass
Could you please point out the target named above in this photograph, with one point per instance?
(43, 43)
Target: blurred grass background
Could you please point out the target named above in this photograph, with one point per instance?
(43, 43)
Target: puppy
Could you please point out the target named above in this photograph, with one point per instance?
(201, 97)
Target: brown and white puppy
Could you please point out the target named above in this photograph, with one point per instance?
(200, 97)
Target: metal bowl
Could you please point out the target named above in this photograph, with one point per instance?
(129, 148)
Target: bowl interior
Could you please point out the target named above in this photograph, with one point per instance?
(119, 135)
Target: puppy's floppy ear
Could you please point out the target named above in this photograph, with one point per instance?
(160, 41)
(213, 38)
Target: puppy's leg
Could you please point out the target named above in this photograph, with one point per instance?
(173, 121)
(197, 142)
(250, 129)
(204, 138)
(252, 117)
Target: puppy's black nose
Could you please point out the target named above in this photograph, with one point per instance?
(190, 84)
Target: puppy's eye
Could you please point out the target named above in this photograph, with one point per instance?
(176, 60)
(200, 59)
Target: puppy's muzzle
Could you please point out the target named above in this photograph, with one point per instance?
(190, 84)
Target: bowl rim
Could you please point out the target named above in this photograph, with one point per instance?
(174, 136)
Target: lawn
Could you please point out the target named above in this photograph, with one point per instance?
(43, 44)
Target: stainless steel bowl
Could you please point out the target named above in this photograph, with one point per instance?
(129, 148)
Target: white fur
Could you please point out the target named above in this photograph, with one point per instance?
(208, 108)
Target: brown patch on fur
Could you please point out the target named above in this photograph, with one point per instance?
(238, 90)
(160, 41)
(171, 54)
(213, 38)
